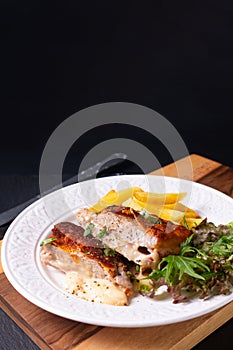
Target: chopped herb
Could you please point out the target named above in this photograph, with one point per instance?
(144, 288)
(143, 212)
(87, 252)
(109, 252)
(185, 223)
(103, 232)
(147, 216)
(132, 277)
(47, 241)
(137, 268)
(88, 230)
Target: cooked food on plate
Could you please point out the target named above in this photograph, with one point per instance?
(133, 242)
(138, 237)
(93, 272)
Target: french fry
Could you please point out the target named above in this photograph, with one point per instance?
(160, 211)
(170, 212)
(189, 213)
(158, 198)
(171, 215)
(114, 198)
(191, 222)
(132, 204)
(164, 205)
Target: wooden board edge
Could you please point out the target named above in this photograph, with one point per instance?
(192, 167)
(206, 327)
(1, 268)
(20, 323)
(177, 336)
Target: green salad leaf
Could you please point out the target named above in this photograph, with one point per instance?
(178, 265)
(203, 266)
(223, 247)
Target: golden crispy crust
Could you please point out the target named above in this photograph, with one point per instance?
(70, 238)
(169, 235)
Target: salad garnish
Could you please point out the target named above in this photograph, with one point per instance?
(203, 267)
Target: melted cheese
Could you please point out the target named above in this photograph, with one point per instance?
(95, 289)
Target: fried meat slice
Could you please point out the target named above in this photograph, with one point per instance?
(92, 271)
(135, 237)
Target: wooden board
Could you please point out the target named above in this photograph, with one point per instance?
(53, 332)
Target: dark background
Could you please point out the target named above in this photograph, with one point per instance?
(58, 58)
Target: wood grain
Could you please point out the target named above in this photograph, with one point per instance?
(1, 269)
(215, 180)
(189, 168)
(58, 339)
(183, 335)
(52, 332)
(43, 328)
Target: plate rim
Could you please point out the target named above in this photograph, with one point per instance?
(58, 312)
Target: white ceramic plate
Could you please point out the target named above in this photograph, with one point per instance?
(43, 286)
